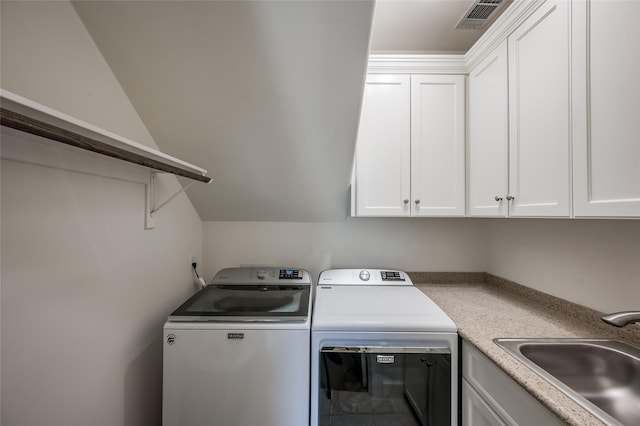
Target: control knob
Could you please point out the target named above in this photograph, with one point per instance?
(365, 275)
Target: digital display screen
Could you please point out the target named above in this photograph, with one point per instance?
(391, 276)
(290, 274)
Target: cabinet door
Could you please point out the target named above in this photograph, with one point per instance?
(489, 135)
(539, 135)
(383, 147)
(437, 145)
(475, 411)
(606, 108)
(506, 398)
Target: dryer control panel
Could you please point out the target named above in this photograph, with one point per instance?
(392, 276)
(364, 277)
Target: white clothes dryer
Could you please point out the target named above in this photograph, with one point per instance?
(382, 352)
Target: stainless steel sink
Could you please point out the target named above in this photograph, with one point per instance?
(601, 375)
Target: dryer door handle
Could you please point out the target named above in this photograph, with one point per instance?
(387, 349)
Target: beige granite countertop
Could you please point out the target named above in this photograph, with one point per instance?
(490, 307)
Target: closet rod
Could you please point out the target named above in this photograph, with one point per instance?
(39, 128)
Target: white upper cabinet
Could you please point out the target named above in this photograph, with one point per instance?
(410, 151)
(383, 148)
(606, 108)
(519, 121)
(437, 145)
(489, 136)
(553, 121)
(539, 114)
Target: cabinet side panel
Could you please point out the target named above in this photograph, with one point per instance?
(607, 178)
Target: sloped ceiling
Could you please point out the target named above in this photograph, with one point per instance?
(265, 95)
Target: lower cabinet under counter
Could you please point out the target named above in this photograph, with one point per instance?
(490, 397)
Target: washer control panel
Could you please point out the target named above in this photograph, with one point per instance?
(261, 275)
(290, 274)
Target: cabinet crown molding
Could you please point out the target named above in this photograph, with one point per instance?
(506, 23)
(417, 64)
(461, 63)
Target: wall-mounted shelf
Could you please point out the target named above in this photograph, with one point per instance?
(25, 115)
(30, 117)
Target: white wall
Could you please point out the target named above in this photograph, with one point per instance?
(48, 57)
(406, 244)
(595, 263)
(85, 288)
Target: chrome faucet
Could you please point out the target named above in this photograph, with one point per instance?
(620, 319)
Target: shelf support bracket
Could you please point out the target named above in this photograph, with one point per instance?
(150, 222)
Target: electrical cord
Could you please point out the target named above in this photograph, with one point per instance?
(199, 280)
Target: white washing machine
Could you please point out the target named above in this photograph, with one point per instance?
(237, 352)
(382, 353)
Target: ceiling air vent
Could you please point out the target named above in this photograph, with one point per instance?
(478, 14)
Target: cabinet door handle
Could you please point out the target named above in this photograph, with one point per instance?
(498, 198)
(406, 201)
(510, 197)
(417, 202)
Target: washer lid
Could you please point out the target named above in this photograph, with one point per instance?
(246, 303)
(377, 308)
